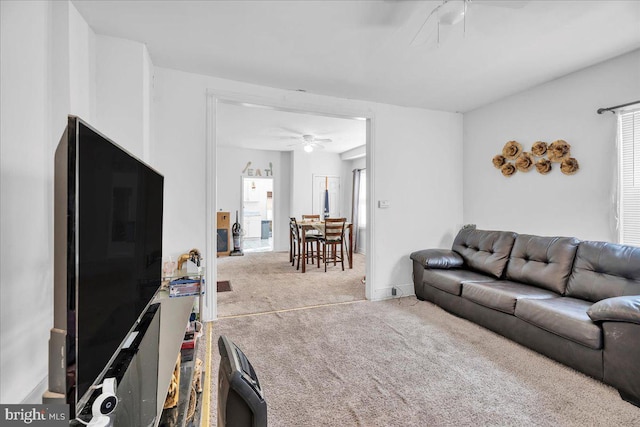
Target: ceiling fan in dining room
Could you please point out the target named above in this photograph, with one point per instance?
(311, 143)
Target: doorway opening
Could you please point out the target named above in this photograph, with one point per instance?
(280, 148)
(257, 214)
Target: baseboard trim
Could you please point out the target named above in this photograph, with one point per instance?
(404, 290)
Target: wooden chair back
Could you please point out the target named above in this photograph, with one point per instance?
(334, 229)
(293, 228)
(312, 217)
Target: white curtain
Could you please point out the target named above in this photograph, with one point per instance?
(358, 203)
(628, 197)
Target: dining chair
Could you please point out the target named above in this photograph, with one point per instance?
(332, 237)
(312, 238)
(312, 217)
(294, 242)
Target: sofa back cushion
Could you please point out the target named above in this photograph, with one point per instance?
(483, 250)
(544, 262)
(604, 270)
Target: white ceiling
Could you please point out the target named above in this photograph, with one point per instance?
(362, 50)
(269, 129)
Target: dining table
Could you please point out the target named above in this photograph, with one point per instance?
(306, 225)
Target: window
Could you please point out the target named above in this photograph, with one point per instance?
(629, 188)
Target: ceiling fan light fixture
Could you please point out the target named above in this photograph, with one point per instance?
(308, 148)
(452, 11)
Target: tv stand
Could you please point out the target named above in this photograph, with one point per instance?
(177, 416)
(175, 316)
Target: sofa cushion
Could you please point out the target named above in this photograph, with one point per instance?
(616, 309)
(566, 317)
(437, 258)
(604, 270)
(542, 261)
(502, 295)
(450, 280)
(484, 251)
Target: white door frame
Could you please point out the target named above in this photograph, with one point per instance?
(209, 311)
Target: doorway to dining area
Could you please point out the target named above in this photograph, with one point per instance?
(257, 214)
(302, 156)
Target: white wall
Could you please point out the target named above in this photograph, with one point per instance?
(417, 169)
(147, 105)
(48, 70)
(34, 103)
(179, 154)
(417, 162)
(82, 66)
(579, 205)
(305, 166)
(124, 74)
(231, 162)
(26, 250)
(297, 191)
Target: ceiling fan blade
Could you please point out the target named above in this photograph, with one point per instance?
(325, 140)
(317, 146)
(293, 133)
(427, 29)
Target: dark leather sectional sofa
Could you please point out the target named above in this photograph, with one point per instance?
(577, 302)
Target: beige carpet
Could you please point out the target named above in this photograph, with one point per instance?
(409, 363)
(266, 281)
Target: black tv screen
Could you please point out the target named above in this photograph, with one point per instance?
(113, 205)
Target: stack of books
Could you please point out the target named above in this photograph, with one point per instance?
(184, 287)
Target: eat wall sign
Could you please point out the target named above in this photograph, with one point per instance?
(249, 171)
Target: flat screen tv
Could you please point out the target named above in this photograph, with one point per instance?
(241, 401)
(107, 256)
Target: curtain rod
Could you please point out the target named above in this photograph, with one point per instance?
(602, 110)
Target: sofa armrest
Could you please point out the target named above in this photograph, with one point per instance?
(616, 309)
(438, 258)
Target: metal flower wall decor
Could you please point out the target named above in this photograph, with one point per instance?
(542, 156)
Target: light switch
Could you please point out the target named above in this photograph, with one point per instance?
(384, 204)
